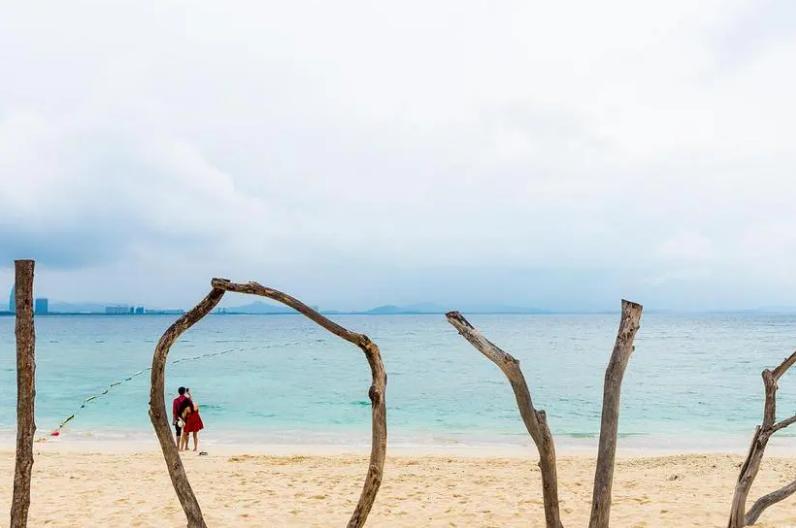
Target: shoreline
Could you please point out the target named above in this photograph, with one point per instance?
(356, 445)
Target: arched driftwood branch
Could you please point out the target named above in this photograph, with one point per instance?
(536, 421)
(157, 405)
(26, 392)
(738, 516)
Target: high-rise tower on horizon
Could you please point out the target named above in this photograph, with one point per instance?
(12, 300)
(42, 306)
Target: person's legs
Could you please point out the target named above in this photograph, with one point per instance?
(177, 438)
(195, 440)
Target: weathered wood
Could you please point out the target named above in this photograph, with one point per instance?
(768, 500)
(536, 423)
(609, 427)
(751, 466)
(26, 392)
(159, 415)
(376, 393)
(535, 420)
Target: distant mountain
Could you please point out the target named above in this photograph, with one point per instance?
(385, 310)
(259, 307)
(431, 308)
(502, 309)
(776, 309)
(421, 308)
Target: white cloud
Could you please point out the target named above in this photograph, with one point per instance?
(365, 144)
(687, 246)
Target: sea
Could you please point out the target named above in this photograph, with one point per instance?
(694, 380)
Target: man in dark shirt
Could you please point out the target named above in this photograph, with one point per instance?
(175, 409)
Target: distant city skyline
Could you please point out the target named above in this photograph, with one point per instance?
(246, 305)
(40, 304)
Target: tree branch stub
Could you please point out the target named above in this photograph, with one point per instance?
(609, 426)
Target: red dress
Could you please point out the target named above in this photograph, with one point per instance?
(193, 423)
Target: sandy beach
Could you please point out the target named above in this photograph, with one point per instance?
(241, 488)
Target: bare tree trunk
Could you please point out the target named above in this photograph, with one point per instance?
(159, 415)
(26, 392)
(751, 466)
(376, 393)
(606, 455)
(535, 420)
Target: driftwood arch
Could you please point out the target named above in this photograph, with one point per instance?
(159, 416)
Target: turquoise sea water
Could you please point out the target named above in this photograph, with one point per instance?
(284, 379)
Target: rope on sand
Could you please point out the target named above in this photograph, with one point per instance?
(57, 431)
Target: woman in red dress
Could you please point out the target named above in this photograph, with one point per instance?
(193, 423)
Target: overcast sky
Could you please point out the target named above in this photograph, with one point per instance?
(552, 154)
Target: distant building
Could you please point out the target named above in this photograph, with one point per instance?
(139, 310)
(117, 310)
(42, 306)
(12, 300)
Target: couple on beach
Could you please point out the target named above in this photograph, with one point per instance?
(186, 419)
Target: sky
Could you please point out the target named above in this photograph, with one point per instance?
(559, 155)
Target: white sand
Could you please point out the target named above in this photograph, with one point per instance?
(74, 487)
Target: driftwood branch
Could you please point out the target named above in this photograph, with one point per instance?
(767, 500)
(26, 392)
(159, 415)
(376, 393)
(606, 455)
(783, 424)
(535, 420)
(751, 466)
